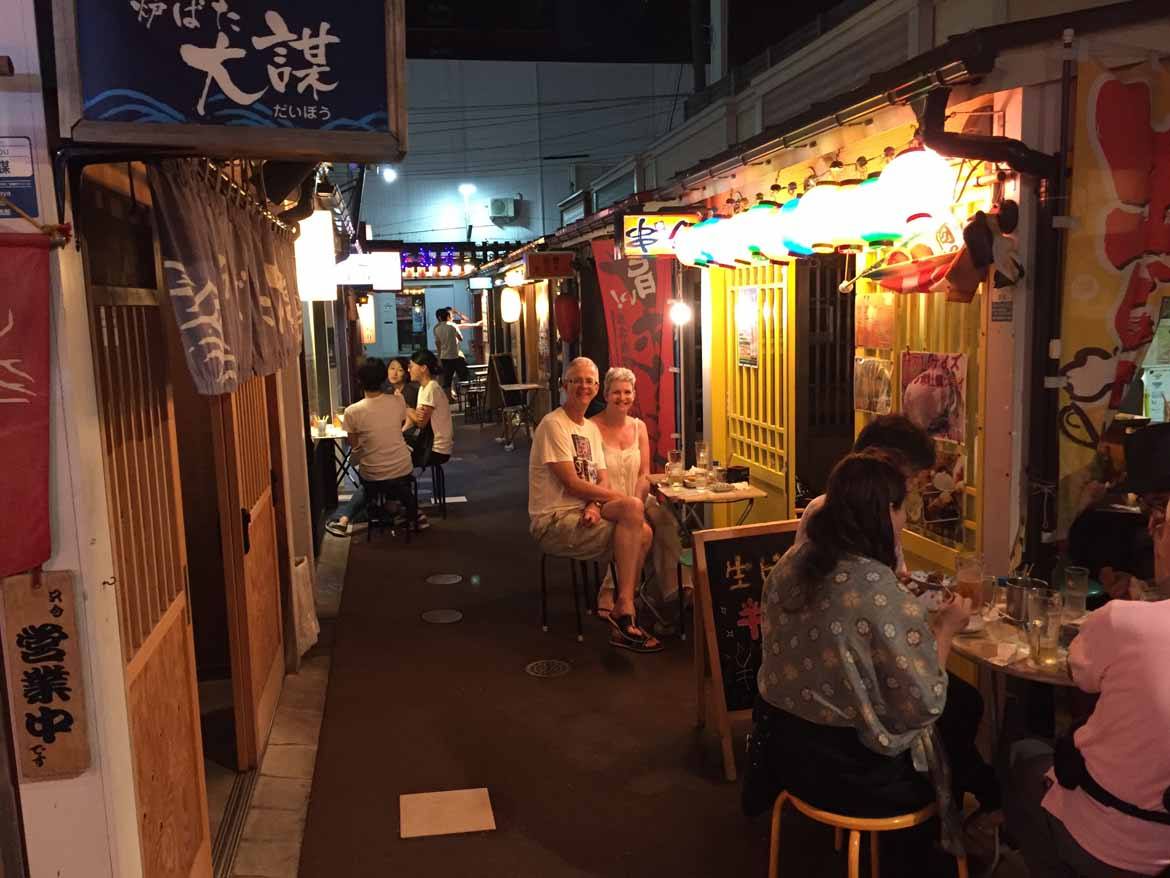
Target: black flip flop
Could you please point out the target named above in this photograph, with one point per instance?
(625, 638)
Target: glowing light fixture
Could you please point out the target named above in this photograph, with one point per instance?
(466, 189)
(917, 181)
(818, 215)
(788, 223)
(316, 258)
(510, 305)
(542, 306)
(688, 246)
(762, 231)
(680, 312)
(877, 224)
(389, 174)
(515, 277)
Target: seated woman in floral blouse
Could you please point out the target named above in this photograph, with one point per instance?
(853, 677)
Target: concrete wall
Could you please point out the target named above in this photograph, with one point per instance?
(85, 826)
(501, 126)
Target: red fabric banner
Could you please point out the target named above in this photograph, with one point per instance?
(635, 292)
(24, 402)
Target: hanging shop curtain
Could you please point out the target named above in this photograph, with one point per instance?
(635, 292)
(24, 402)
(231, 277)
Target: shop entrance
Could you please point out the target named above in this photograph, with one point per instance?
(824, 362)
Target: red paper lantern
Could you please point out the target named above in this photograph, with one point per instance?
(568, 312)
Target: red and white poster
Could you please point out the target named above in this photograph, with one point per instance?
(635, 292)
(24, 402)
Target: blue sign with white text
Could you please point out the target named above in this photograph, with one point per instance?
(301, 64)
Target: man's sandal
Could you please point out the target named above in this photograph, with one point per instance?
(627, 635)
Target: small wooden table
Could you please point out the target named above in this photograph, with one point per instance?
(685, 505)
(524, 409)
(341, 452)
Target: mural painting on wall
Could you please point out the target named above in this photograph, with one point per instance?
(1118, 258)
(635, 292)
(934, 393)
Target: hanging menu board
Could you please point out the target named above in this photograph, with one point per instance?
(731, 565)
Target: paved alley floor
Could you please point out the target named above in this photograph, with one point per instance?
(597, 773)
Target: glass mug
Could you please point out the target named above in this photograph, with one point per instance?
(1045, 614)
(1076, 592)
(674, 468)
(702, 455)
(969, 577)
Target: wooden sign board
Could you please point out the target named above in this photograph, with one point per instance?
(287, 79)
(42, 658)
(542, 264)
(731, 564)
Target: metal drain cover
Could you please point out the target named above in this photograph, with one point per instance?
(442, 617)
(444, 579)
(548, 668)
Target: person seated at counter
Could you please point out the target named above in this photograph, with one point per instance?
(896, 433)
(853, 684)
(374, 425)
(1097, 803)
(575, 512)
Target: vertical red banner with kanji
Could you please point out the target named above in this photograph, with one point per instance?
(635, 292)
(24, 402)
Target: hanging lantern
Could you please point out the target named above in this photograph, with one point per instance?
(316, 258)
(687, 246)
(818, 214)
(847, 227)
(917, 181)
(788, 220)
(510, 305)
(568, 317)
(762, 230)
(876, 221)
(727, 247)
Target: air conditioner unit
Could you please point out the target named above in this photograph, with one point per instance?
(503, 208)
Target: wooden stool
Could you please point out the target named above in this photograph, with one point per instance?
(856, 826)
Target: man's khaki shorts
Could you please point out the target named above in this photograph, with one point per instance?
(561, 533)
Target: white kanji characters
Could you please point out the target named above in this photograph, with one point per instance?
(313, 49)
(737, 572)
(212, 60)
(147, 10)
(15, 383)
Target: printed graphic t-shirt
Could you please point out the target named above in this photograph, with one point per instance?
(434, 396)
(559, 440)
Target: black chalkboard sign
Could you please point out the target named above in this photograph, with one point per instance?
(731, 564)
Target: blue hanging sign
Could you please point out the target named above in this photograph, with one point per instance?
(279, 78)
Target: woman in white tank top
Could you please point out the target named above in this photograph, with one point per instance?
(627, 461)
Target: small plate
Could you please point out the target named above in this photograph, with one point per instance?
(975, 624)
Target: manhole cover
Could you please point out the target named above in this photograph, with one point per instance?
(445, 579)
(548, 668)
(442, 617)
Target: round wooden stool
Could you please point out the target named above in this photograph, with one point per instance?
(856, 826)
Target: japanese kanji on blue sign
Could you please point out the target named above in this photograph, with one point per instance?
(17, 181)
(282, 63)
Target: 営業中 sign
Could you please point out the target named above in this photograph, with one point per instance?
(42, 655)
(282, 78)
(547, 264)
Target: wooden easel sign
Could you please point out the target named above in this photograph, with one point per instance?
(731, 564)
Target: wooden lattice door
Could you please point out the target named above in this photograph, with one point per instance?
(240, 423)
(146, 529)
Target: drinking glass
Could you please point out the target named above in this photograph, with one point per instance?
(674, 467)
(1076, 592)
(702, 455)
(987, 603)
(969, 576)
(1044, 620)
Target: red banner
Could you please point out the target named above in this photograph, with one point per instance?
(24, 402)
(635, 292)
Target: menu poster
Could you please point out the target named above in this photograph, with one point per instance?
(1157, 381)
(934, 393)
(873, 385)
(873, 316)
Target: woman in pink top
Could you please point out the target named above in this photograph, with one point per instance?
(1123, 653)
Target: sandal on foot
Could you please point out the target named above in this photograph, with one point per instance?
(627, 635)
(337, 528)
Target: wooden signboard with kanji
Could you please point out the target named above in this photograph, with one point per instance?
(42, 660)
(731, 564)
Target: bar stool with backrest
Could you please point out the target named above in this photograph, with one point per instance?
(855, 826)
(378, 496)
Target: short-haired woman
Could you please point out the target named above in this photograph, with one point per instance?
(627, 461)
(434, 439)
(853, 679)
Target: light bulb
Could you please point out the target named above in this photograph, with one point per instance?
(389, 174)
(466, 189)
(680, 312)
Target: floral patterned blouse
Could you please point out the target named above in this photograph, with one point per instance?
(860, 654)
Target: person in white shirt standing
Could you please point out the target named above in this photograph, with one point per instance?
(374, 424)
(573, 510)
(447, 341)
